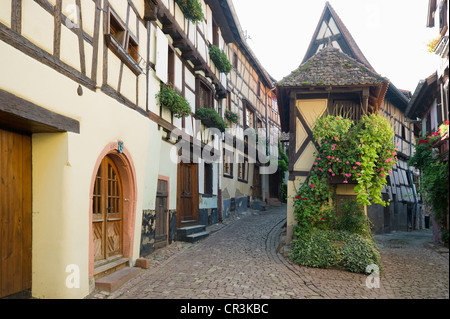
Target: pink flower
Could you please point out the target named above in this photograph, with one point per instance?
(328, 156)
(347, 162)
(326, 123)
(312, 186)
(318, 158)
(326, 142)
(354, 167)
(333, 174)
(345, 182)
(332, 157)
(382, 174)
(358, 163)
(329, 170)
(359, 174)
(335, 138)
(315, 163)
(382, 169)
(320, 169)
(337, 118)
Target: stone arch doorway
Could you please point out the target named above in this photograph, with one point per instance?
(112, 208)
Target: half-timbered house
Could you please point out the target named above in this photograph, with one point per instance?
(92, 177)
(336, 78)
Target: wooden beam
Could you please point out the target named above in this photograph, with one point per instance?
(16, 16)
(19, 114)
(57, 30)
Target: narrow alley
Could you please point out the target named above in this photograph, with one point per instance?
(243, 260)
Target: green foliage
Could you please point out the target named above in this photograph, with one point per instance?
(315, 250)
(220, 59)
(341, 249)
(377, 156)
(192, 9)
(283, 160)
(353, 219)
(363, 152)
(434, 185)
(312, 209)
(358, 252)
(232, 116)
(211, 118)
(173, 101)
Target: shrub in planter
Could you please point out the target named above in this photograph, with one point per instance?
(359, 252)
(315, 250)
(173, 101)
(330, 248)
(231, 116)
(353, 219)
(220, 59)
(192, 9)
(211, 118)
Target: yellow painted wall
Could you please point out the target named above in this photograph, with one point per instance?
(63, 163)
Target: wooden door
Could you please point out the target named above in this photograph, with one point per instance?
(15, 213)
(107, 211)
(187, 204)
(161, 211)
(257, 191)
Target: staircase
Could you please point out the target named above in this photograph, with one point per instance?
(192, 234)
(274, 202)
(112, 273)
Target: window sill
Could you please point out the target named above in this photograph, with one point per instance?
(122, 54)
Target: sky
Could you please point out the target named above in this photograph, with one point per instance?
(392, 34)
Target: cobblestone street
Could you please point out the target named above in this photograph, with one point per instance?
(242, 259)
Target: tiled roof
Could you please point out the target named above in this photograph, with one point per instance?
(331, 67)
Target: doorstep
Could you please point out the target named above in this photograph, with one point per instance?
(112, 282)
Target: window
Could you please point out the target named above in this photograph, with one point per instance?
(227, 164)
(215, 35)
(235, 61)
(243, 171)
(204, 95)
(249, 118)
(208, 182)
(443, 23)
(122, 42)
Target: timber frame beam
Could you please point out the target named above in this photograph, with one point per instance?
(20, 115)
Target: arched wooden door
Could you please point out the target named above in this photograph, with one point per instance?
(107, 219)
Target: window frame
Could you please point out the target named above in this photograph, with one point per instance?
(227, 160)
(202, 86)
(120, 45)
(243, 169)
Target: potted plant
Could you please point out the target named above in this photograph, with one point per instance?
(231, 116)
(170, 99)
(192, 9)
(210, 118)
(220, 59)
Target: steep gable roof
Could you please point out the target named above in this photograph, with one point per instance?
(332, 67)
(332, 29)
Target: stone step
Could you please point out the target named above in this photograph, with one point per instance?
(197, 236)
(112, 282)
(184, 232)
(109, 266)
(274, 202)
